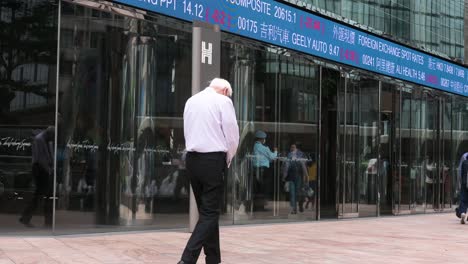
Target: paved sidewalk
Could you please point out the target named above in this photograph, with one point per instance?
(435, 238)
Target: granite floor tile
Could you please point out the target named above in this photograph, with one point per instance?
(432, 238)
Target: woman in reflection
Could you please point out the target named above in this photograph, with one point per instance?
(263, 188)
(295, 172)
(310, 188)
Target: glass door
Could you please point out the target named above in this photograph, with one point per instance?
(409, 179)
(435, 167)
(417, 136)
(368, 140)
(276, 94)
(412, 180)
(348, 146)
(446, 162)
(296, 134)
(388, 150)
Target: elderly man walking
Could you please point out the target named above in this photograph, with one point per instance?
(211, 137)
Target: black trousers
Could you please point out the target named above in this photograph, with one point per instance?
(205, 172)
(44, 186)
(463, 199)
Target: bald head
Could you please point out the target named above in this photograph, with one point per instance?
(221, 86)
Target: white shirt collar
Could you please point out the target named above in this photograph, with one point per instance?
(210, 89)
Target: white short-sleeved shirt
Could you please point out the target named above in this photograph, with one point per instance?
(210, 124)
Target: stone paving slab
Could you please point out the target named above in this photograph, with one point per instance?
(432, 238)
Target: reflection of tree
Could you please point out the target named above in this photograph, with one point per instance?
(27, 36)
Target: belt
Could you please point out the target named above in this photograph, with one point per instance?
(207, 154)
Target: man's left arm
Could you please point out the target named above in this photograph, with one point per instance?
(230, 130)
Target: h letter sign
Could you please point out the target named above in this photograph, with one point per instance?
(207, 53)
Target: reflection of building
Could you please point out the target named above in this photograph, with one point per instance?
(431, 24)
(26, 72)
(377, 144)
(33, 75)
(466, 31)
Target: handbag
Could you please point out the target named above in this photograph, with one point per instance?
(309, 192)
(286, 186)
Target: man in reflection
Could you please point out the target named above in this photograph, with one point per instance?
(295, 173)
(42, 171)
(182, 183)
(463, 185)
(263, 178)
(142, 183)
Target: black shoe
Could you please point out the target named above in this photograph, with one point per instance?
(25, 223)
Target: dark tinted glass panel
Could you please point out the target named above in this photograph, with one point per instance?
(121, 144)
(332, 89)
(28, 41)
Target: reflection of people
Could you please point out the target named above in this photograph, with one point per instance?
(146, 159)
(463, 184)
(211, 137)
(263, 154)
(295, 172)
(263, 183)
(182, 181)
(428, 167)
(150, 191)
(42, 170)
(428, 170)
(312, 177)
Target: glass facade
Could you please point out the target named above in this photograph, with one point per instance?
(432, 24)
(279, 94)
(28, 50)
(91, 126)
(123, 85)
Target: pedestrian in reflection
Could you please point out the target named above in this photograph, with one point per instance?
(182, 182)
(429, 172)
(310, 190)
(211, 137)
(42, 171)
(463, 186)
(263, 156)
(295, 172)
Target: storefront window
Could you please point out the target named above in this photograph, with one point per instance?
(121, 144)
(277, 95)
(365, 144)
(27, 109)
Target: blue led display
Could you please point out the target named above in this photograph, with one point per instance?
(292, 28)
